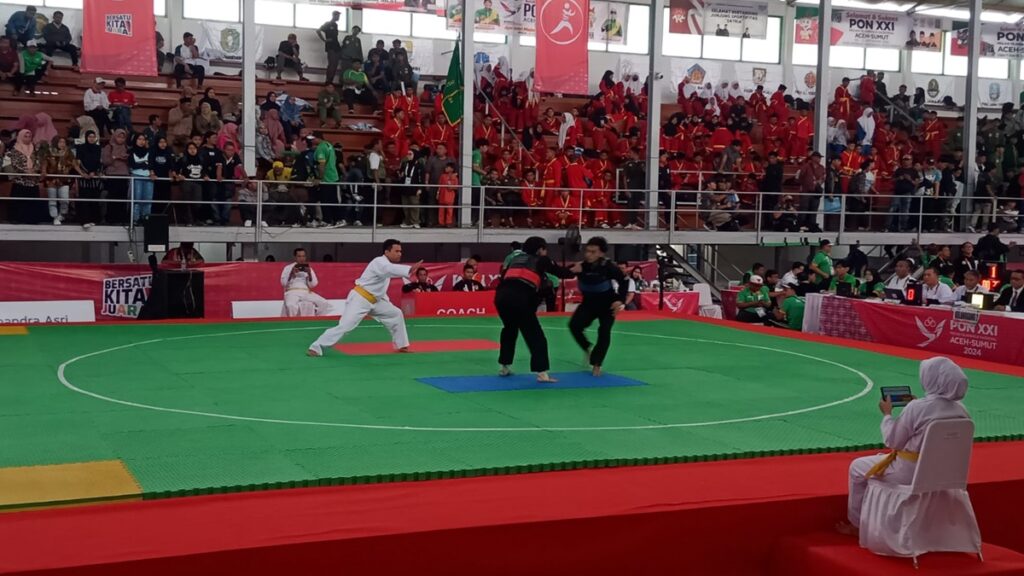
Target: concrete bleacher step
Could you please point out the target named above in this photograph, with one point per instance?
(836, 555)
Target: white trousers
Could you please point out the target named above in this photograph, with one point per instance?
(901, 472)
(293, 300)
(356, 308)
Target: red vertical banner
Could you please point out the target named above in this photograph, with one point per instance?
(562, 60)
(686, 17)
(119, 37)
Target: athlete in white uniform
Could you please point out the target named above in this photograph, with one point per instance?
(298, 281)
(370, 297)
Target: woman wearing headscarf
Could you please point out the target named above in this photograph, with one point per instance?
(228, 133)
(523, 276)
(24, 166)
(141, 166)
(275, 130)
(291, 118)
(86, 124)
(866, 131)
(210, 97)
(837, 136)
(945, 385)
(269, 103)
(90, 185)
(207, 120)
(45, 131)
(55, 167)
(114, 158)
(162, 161)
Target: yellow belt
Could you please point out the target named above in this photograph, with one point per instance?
(365, 294)
(884, 463)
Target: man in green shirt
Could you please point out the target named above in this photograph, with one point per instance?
(487, 15)
(753, 302)
(327, 168)
(842, 274)
(791, 313)
(32, 68)
(821, 265)
(357, 88)
(328, 103)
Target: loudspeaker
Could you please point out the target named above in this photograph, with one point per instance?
(155, 234)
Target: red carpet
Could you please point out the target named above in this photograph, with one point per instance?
(715, 518)
(373, 348)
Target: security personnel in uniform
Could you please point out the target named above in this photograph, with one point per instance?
(517, 299)
(601, 301)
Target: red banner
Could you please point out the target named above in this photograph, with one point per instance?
(119, 37)
(676, 303)
(562, 63)
(449, 303)
(993, 337)
(686, 16)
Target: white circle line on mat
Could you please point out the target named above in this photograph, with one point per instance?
(868, 385)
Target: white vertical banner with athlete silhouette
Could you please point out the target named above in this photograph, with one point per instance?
(607, 22)
(562, 59)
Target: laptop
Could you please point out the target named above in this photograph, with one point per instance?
(844, 289)
(894, 295)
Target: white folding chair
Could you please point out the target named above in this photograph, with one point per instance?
(933, 513)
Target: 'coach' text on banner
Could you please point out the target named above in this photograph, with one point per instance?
(562, 61)
(118, 38)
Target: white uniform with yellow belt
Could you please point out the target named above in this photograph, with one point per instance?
(370, 297)
(298, 288)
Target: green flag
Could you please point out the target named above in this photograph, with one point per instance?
(452, 95)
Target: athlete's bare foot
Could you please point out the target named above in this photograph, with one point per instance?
(596, 372)
(847, 529)
(505, 371)
(545, 378)
(313, 353)
(404, 350)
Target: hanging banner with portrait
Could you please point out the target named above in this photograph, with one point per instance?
(499, 16)
(608, 22)
(736, 19)
(855, 28)
(925, 35)
(1001, 40)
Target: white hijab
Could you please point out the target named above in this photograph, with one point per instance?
(568, 121)
(867, 124)
(941, 377)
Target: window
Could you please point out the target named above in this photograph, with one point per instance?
(275, 13)
(716, 48)
(997, 68)
(222, 10)
(160, 7)
(431, 26)
(923, 62)
(887, 59)
(386, 22)
(852, 57)
(488, 38)
(76, 4)
(312, 16)
(638, 32)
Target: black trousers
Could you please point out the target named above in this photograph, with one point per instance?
(517, 307)
(597, 307)
(69, 49)
(180, 73)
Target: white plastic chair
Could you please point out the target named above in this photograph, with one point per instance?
(704, 294)
(933, 513)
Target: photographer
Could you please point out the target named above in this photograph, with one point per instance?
(298, 281)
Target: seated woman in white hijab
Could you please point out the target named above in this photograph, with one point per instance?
(944, 384)
(866, 131)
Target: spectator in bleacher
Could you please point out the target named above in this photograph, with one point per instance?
(207, 120)
(328, 103)
(9, 61)
(351, 49)
(161, 56)
(55, 166)
(288, 57)
(210, 97)
(990, 248)
(357, 87)
(90, 185)
(328, 34)
(57, 36)
(141, 167)
(411, 176)
(228, 134)
(122, 102)
(401, 72)
(181, 122)
(154, 130)
(269, 103)
(97, 106)
(32, 68)
(291, 119)
(115, 157)
(397, 49)
(906, 179)
(275, 131)
(21, 26)
(812, 186)
(377, 73)
(24, 164)
(189, 174)
(380, 51)
(162, 161)
(189, 62)
(228, 169)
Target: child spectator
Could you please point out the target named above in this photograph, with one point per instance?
(448, 185)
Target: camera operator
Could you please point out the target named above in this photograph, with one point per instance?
(298, 281)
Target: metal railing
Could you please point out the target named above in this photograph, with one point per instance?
(270, 205)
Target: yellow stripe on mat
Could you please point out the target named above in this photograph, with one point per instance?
(13, 330)
(29, 487)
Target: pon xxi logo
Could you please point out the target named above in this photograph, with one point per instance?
(930, 329)
(562, 22)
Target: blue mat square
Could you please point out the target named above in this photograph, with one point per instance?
(495, 383)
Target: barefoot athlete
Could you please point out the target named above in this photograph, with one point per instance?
(601, 301)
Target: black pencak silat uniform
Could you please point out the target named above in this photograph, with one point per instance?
(517, 299)
(602, 283)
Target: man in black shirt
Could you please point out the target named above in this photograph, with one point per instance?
(602, 299)
(468, 282)
(636, 181)
(288, 57)
(328, 33)
(905, 180)
(422, 283)
(212, 160)
(967, 262)
(943, 263)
